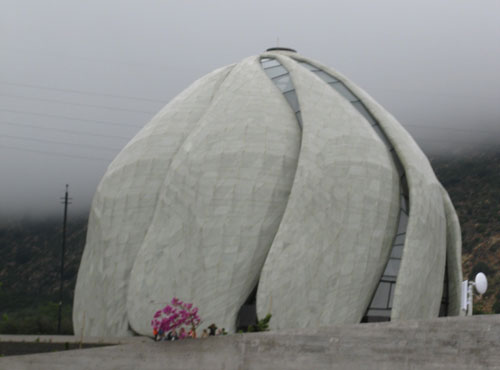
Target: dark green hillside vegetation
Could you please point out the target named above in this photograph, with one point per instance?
(30, 251)
(474, 187)
(30, 255)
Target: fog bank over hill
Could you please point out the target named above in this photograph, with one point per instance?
(41, 199)
(80, 79)
(28, 207)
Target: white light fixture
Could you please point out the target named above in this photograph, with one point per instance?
(480, 283)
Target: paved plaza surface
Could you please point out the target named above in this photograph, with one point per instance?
(444, 343)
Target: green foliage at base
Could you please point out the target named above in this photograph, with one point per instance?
(496, 307)
(262, 325)
(477, 310)
(480, 267)
(41, 319)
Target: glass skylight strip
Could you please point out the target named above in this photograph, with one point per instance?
(343, 90)
(309, 66)
(276, 71)
(361, 109)
(281, 78)
(381, 304)
(268, 62)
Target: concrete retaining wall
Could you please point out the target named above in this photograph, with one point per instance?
(445, 343)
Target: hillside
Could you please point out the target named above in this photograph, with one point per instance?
(474, 187)
(30, 250)
(30, 257)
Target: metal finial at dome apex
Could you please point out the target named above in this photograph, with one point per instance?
(280, 48)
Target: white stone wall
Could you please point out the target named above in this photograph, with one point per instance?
(222, 189)
(123, 208)
(453, 257)
(419, 286)
(220, 205)
(336, 233)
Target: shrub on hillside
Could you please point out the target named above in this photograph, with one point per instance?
(480, 267)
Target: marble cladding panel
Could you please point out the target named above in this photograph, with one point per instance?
(419, 286)
(329, 252)
(223, 188)
(221, 204)
(123, 207)
(453, 257)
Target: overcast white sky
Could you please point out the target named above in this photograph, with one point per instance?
(79, 78)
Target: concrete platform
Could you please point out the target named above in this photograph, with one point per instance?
(11, 345)
(445, 343)
(70, 339)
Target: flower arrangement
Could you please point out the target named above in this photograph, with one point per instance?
(176, 315)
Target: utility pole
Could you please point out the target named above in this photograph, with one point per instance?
(65, 201)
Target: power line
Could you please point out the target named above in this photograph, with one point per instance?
(422, 92)
(131, 125)
(64, 130)
(57, 142)
(81, 92)
(415, 137)
(471, 130)
(77, 104)
(453, 129)
(100, 159)
(427, 140)
(66, 117)
(46, 54)
(122, 137)
(54, 153)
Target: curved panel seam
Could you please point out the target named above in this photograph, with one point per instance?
(280, 76)
(270, 61)
(215, 92)
(387, 282)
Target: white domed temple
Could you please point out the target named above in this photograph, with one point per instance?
(274, 185)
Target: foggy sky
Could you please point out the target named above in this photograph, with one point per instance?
(104, 68)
